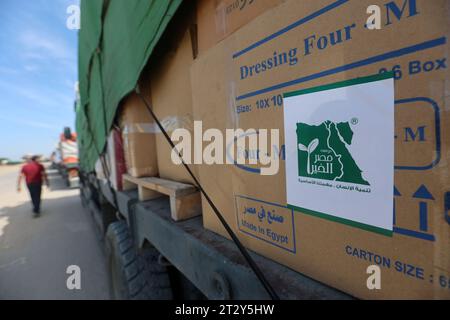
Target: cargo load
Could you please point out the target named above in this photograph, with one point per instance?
(68, 153)
(68, 148)
(301, 47)
(353, 103)
(218, 19)
(139, 140)
(169, 80)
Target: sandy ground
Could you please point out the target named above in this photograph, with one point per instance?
(7, 169)
(35, 252)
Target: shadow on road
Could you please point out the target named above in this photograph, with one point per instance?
(35, 252)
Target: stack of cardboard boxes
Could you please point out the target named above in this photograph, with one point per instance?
(238, 79)
(138, 130)
(172, 93)
(228, 64)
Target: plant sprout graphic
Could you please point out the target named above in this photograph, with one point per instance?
(311, 147)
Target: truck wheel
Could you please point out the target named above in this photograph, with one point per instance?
(126, 267)
(157, 275)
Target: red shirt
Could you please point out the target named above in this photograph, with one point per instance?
(33, 172)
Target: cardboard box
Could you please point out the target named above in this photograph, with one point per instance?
(218, 19)
(114, 161)
(413, 42)
(139, 141)
(172, 95)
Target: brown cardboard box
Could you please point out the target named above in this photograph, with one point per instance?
(415, 260)
(138, 133)
(172, 97)
(217, 19)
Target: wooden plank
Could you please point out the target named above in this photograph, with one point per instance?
(170, 188)
(185, 199)
(146, 194)
(185, 207)
(127, 184)
(131, 179)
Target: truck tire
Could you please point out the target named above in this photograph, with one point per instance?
(126, 268)
(134, 276)
(157, 275)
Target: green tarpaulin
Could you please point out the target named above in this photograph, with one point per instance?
(116, 40)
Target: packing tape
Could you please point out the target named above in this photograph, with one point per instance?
(220, 20)
(176, 122)
(140, 128)
(169, 124)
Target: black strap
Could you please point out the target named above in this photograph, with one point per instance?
(233, 236)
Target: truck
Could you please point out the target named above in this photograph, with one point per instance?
(67, 151)
(150, 252)
(149, 255)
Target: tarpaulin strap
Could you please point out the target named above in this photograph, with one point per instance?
(233, 236)
(91, 133)
(102, 155)
(104, 167)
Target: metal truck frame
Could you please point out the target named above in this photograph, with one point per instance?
(150, 256)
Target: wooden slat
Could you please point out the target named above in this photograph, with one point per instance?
(170, 188)
(185, 199)
(167, 187)
(185, 207)
(147, 194)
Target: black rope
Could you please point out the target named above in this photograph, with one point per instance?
(103, 164)
(233, 236)
(102, 156)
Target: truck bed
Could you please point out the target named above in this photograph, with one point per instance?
(211, 262)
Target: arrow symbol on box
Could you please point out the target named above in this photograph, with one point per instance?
(423, 194)
(396, 194)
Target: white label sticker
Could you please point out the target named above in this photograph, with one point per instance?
(340, 152)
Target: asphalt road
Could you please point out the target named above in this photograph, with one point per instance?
(36, 252)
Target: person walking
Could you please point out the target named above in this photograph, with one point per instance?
(34, 174)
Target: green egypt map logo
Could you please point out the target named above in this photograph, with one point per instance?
(323, 153)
